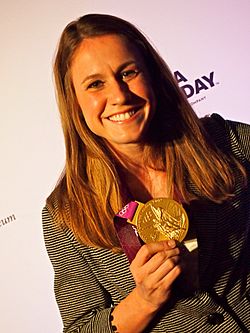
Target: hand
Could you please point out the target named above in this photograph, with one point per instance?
(155, 268)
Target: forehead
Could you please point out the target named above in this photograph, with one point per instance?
(105, 49)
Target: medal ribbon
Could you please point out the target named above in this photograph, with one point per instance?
(126, 232)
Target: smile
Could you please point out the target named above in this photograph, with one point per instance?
(122, 116)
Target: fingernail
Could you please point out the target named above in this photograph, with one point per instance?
(171, 243)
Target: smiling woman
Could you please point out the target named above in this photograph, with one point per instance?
(112, 87)
(133, 140)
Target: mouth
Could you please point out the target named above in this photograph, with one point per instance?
(123, 116)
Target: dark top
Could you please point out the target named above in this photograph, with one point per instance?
(89, 281)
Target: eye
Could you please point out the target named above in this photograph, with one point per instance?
(95, 85)
(129, 74)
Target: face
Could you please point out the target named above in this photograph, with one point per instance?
(113, 89)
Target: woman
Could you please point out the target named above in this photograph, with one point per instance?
(130, 134)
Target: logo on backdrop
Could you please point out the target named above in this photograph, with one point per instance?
(6, 220)
(195, 88)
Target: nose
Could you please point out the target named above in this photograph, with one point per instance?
(119, 93)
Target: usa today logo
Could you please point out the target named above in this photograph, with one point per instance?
(195, 87)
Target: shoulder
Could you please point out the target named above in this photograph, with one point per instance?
(54, 222)
(57, 204)
(230, 136)
(215, 121)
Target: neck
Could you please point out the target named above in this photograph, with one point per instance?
(130, 156)
(142, 180)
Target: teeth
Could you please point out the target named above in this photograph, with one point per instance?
(122, 116)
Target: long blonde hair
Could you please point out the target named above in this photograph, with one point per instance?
(90, 190)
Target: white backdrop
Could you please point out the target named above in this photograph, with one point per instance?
(196, 37)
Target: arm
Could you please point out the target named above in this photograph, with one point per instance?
(155, 268)
(83, 303)
(85, 306)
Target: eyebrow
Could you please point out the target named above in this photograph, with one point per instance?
(97, 75)
(91, 77)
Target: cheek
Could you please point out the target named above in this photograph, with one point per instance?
(143, 89)
(91, 106)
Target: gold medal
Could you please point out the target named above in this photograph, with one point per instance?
(161, 219)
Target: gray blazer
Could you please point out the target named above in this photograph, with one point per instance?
(89, 281)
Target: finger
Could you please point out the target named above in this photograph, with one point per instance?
(159, 259)
(169, 279)
(148, 250)
(156, 277)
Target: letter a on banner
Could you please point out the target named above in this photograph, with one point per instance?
(179, 77)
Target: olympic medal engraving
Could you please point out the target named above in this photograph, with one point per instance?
(162, 219)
